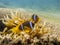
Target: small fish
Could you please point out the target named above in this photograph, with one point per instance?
(26, 24)
(35, 18)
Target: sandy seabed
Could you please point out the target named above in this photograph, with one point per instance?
(50, 38)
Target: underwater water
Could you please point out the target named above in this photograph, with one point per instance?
(48, 8)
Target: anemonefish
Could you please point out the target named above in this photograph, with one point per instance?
(35, 18)
(26, 26)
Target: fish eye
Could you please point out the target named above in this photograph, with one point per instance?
(2, 25)
(34, 18)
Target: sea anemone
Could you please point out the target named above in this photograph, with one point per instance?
(16, 24)
(22, 29)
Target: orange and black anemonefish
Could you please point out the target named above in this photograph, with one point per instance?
(30, 24)
(26, 26)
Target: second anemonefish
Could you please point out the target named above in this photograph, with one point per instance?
(35, 18)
